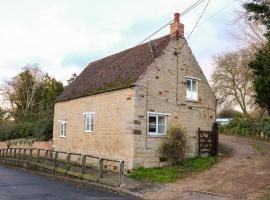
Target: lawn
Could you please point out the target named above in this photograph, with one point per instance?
(171, 174)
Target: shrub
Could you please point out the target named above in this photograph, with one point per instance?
(173, 148)
(40, 130)
(229, 113)
(243, 127)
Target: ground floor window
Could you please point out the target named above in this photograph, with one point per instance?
(89, 126)
(63, 128)
(157, 123)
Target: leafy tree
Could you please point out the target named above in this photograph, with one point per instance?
(21, 92)
(47, 93)
(259, 10)
(31, 94)
(261, 69)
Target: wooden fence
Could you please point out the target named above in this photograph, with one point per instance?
(78, 165)
(208, 141)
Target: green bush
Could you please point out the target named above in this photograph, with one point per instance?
(40, 130)
(243, 127)
(173, 147)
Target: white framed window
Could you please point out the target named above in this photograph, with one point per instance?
(63, 128)
(157, 123)
(192, 89)
(89, 122)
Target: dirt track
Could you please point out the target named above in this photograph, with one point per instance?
(244, 174)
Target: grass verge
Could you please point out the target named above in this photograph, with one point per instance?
(258, 147)
(266, 195)
(171, 174)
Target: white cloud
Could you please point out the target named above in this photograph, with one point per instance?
(46, 32)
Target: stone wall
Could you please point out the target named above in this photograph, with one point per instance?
(163, 90)
(35, 144)
(112, 136)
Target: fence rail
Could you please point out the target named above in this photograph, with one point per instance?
(66, 162)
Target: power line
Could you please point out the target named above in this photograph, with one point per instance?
(165, 25)
(192, 6)
(218, 12)
(168, 23)
(196, 24)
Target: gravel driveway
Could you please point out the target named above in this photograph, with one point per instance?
(243, 174)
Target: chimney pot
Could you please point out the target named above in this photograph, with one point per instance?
(177, 28)
(176, 17)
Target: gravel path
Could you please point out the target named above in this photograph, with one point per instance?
(244, 174)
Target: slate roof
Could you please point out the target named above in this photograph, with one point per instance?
(117, 71)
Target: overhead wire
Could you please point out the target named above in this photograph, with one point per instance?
(197, 3)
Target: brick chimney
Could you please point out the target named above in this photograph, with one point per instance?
(177, 28)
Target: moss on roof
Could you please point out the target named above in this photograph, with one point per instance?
(117, 71)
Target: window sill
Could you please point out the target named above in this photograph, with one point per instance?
(156, 135)
(89, 131)
(192, 101)
(62, 136)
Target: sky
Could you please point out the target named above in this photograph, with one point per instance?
(63, 36)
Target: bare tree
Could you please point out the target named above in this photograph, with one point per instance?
(21, 90)
(251, 33)
(232, 80)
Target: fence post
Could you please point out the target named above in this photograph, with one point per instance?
(31, 153)
(46, 157)
(214, 139)
(100, 166)
(83, 164)
(55, 160)
(199, 141)
(38, 155)
(15, 153)
(68, 162)
(121, 173)
(217, 138)
(24, 153)
(20, 151)
(10, 153)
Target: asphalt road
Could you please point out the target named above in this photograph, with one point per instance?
(21, 185)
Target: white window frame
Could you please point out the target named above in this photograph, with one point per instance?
(157, 115)
(91, 124)
(191, 79)
(63, 128)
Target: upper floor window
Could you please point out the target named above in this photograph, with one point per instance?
(89, 125)
(192, 89)
(63, 128)
(157, 123)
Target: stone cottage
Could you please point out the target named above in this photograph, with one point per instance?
(121, 106)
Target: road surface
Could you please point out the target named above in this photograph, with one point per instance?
(21, 185)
